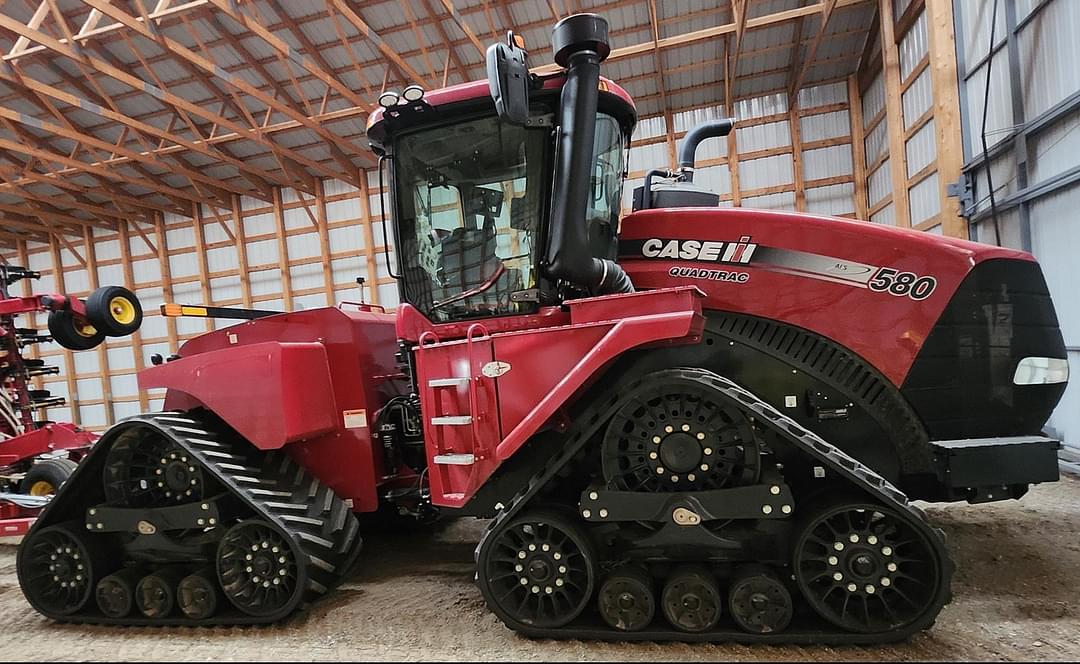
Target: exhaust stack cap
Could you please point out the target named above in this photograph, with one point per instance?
(580, 32)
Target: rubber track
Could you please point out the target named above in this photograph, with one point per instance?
(307, 512)
(589, 422)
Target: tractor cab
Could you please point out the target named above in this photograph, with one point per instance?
(505, 197)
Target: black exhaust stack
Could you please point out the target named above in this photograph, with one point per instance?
(694, 137)
(580, 43)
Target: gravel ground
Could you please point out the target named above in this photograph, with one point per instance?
(1016, 598)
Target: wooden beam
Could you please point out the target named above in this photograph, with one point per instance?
(811, 51)
(241, 252)
(714, 32)
(232, 10)
(369, 239)
(166, 280)
(343, 8)
(894, 114)
(102, 353)
(69, 358)
(659, 73)
(460, 21)
(136, 337)
(947, 120)
(283, 251)
(252, 133)
(858, 146)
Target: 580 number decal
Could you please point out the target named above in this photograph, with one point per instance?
(894, 282)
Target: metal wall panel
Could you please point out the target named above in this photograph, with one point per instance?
(1049, 49)
(824, 126)
(763, 136)
(918, 98)
(833, 200)
(879, 184)
(873, 99)
(823, 95)
(921, 148)
(765, 172)
(827, 162)
(886, 215)
(913, 46)
(924, 199)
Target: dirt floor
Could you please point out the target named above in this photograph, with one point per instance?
(1016, 598)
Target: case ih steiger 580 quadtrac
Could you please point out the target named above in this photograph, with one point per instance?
(694, 424)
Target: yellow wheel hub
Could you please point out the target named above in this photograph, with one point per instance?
(122, 310)
(42, 488)
(85, 329)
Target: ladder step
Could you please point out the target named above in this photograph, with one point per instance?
(448, 382)
(451, 420)
(454, 459)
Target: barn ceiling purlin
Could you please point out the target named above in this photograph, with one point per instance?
(117, 110)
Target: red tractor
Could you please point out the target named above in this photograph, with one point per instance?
(37, 455)
(691, 423)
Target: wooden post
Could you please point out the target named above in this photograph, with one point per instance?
(166, 279)
(324, 240)
(204, 267)
(894, 114)
(241, 251)
(129, 281)
(858, 147)
(795, 129)
(102, 353)
(69, 357)
(369, 238)
(950, 147)
(283, 251)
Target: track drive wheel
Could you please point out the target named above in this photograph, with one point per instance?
(258, 569)
(538, 570)
(626, 599)
(114, 310)
(58, 569)
(691, 600)
(864, 568)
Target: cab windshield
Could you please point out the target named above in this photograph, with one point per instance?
(470, 198)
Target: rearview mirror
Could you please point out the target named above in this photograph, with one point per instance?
(508, 80)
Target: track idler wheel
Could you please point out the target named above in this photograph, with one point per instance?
(758, 601)
(58, 569)
(116, 593)
(864, 568)
(198, 594)
(538, 570)
(156, 593)
(258, 569)
(691, 600)
(626, 600)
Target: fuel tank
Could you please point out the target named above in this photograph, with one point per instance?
(308, 381)
(965, 331)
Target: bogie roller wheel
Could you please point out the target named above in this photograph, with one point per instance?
(73, 331)
(198, 595)
(116, 593)
(57, 569)
(258, 569)
(679, 437)
(626, 600)
(155, 595)
(45, 477)
(145, 469)
(538, 570)
(864, 568)
(691, 600)
(759, 601)
(114, 310)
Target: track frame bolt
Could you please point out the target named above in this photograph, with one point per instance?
(532, 547)
(524, 581)
(872, 539)
(774, 490)
(891, 567)
(851, 587)
(521, 555)
(559, 582)
(205, 506)
(833, 560)
(786, 509)
(885, 581)
(545, 547)
(603, 514)
(659, 470)
(586, 513)
(838, 576)
(691, 477)
(686, 427)
(886, 550)
(870, 589)
(766, 509)
(656, 440)
(557, 555)
(548, 589)
(707, 451)
(669, 429)
(519, 568)
(839, 546)
(536, 590)
(593, 495)
(704, 467)
(652, 455)
(701, 435)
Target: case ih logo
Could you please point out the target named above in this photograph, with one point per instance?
(700, 250)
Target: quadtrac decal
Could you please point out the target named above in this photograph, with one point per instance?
(745, 252)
